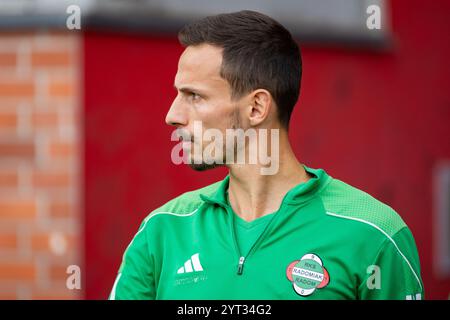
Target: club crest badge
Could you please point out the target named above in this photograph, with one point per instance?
(307, 274)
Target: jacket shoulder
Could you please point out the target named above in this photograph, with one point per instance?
(187, 202)
(345, 201)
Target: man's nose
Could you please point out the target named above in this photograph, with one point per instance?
(176, 115)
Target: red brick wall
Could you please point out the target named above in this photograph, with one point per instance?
(40, 166)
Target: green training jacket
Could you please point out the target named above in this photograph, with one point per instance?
(328, 240)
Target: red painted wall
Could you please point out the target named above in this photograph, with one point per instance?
(379, 121)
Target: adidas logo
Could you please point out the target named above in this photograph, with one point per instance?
(193, 264)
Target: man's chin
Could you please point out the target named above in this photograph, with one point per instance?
(203, 166)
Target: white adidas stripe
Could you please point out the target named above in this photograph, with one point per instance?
(386, 235)
(196, 262)
(188, 266)
(113, 291)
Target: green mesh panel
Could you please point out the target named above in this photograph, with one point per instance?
(342, 199)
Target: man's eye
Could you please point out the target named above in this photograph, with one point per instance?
(194, 96)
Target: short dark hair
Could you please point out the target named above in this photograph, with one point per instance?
(258, 53)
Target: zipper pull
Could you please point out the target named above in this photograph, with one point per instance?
(241, 265)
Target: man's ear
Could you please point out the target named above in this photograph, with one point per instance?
(261, 106)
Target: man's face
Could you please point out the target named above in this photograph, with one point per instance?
(203, 95)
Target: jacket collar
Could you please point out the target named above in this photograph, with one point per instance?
(299, 194)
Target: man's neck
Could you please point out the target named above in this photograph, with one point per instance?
(253, 195)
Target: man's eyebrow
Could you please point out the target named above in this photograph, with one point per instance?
(187, 89)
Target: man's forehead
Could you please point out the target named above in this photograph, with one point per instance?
(199, 63)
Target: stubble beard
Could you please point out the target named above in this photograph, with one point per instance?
(203, 166)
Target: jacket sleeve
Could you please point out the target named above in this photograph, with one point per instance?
(395, 272)
(135, 278)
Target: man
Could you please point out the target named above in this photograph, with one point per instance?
(296, 233)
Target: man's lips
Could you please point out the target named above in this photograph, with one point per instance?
(186, 141)
(181, 139)
(185, 137)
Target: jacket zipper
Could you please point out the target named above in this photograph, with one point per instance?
(241, 265)
(243, 258)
